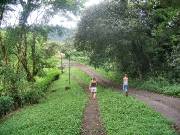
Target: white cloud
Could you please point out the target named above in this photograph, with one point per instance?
(12, 18)
(92, 2)
(36, 17)
(70, 22)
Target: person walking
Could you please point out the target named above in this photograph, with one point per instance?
(125, 84)
(93, 87)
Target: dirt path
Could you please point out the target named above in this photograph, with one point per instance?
(169, 107)
(91, 123)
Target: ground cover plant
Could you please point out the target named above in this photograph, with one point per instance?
(157, 85)
(126, 115)
(60, 113)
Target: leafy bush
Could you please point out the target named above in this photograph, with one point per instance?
(6, 105)
(43, 82)
(81, 57)
(172, 90)
(37, 90)
(33, 96)
(111, 75)
(159, 85)
(51, 62)
(13, 84)
(28, 93)
(1, 88)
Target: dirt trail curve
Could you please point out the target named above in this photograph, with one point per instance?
(169, 107)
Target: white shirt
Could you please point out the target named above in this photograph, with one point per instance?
(125, 81)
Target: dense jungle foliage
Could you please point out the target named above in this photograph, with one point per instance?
(27, 59)
(141, 38)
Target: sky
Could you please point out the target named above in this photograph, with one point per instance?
(92, 2)
(75, 19)
(58, 19)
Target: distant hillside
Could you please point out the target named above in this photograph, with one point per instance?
(60, 34)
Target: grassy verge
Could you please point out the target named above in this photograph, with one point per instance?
(60, 113)
(127, 116)
(158, 86)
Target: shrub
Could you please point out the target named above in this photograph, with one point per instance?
(159, 85)
(37, 91)
(42, 83)
(172, 90)
(51, 62)
(33, 96)
(6, 105)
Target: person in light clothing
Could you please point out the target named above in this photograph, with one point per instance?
(125, 84)
(93, 87)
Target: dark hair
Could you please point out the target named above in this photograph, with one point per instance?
(94, 79)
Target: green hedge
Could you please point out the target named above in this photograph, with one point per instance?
(6, 105)
(40, 87)
(31, 95)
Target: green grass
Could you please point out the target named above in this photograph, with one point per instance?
(158, 86)
(116, 77)
(80, 57)
(59, 114)
(127, 116)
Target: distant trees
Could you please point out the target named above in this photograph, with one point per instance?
(23, 45)
(22, 41)
(140, 38)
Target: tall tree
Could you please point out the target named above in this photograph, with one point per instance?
(4, 6)
(139, 36)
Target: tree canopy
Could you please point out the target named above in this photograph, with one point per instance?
(142, 38)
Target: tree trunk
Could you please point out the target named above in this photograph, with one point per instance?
(4, 50)
(25, 66)
(23, 56)
(2, 8)
(33, 52)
